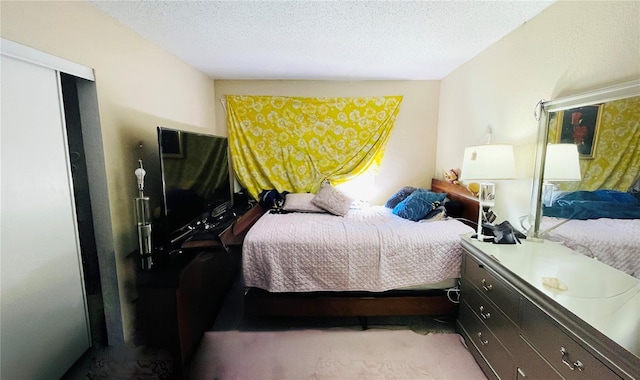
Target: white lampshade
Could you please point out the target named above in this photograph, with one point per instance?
(562, 163)
(485, 162)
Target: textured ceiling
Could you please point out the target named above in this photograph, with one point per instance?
(324, 40)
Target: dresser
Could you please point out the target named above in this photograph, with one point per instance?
(538, 310)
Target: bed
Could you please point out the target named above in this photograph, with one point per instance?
(391, 266)
(602, 224)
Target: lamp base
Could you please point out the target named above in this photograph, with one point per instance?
(486, 198)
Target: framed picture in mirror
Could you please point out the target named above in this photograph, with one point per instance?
(580, 126)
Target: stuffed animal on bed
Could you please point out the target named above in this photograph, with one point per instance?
(452, 175)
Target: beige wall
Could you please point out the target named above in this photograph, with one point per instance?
(569, 48)
(139, 87)
(411, 152)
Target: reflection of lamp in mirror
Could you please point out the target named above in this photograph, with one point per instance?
(487, 162)
(561, 164)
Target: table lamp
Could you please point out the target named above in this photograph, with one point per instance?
(484, 163)
(561, 164)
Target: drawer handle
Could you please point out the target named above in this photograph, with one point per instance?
(483, 341)
(486, 286)
(572, 366)
(484, 315)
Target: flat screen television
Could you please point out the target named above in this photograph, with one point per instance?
(196, 182)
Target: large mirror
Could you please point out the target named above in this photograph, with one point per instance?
(587, 177)
(587, 182)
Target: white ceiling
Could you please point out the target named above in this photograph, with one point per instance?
(324, 40)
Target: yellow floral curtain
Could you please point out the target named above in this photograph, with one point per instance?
(616, 163)
(295, 143)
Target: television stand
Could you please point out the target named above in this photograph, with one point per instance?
(219, 210)
(202, 239)
(207, 223)
(179, 301)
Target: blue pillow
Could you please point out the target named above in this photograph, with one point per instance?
(399, 196)
(419, 204)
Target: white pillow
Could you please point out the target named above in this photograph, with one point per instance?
(300, 202)
(332, 200)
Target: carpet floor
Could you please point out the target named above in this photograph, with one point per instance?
(122, 363)
(242, 346)
(336, 353)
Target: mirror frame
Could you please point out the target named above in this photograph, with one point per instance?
(603, 95)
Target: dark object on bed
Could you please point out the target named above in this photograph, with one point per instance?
(363, 304)
(454, 209)
(269, 199)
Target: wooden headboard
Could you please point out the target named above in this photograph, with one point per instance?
(461, 194)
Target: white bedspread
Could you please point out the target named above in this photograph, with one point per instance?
(615, 242)
(366, 250)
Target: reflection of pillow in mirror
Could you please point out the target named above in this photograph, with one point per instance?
(580, 195)
(399, 196)
(332, 200)
(615, 196)
(419, 204)
(301, 202)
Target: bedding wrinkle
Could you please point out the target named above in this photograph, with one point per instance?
(366, 250)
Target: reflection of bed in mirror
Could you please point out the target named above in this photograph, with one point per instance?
(615, 242)
(597, 213)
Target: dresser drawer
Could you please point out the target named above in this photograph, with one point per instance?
(568, 357)
(530, 365)
(494, 289)
(486, 343)
(501, 326)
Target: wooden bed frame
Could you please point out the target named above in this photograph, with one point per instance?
(363, 304)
